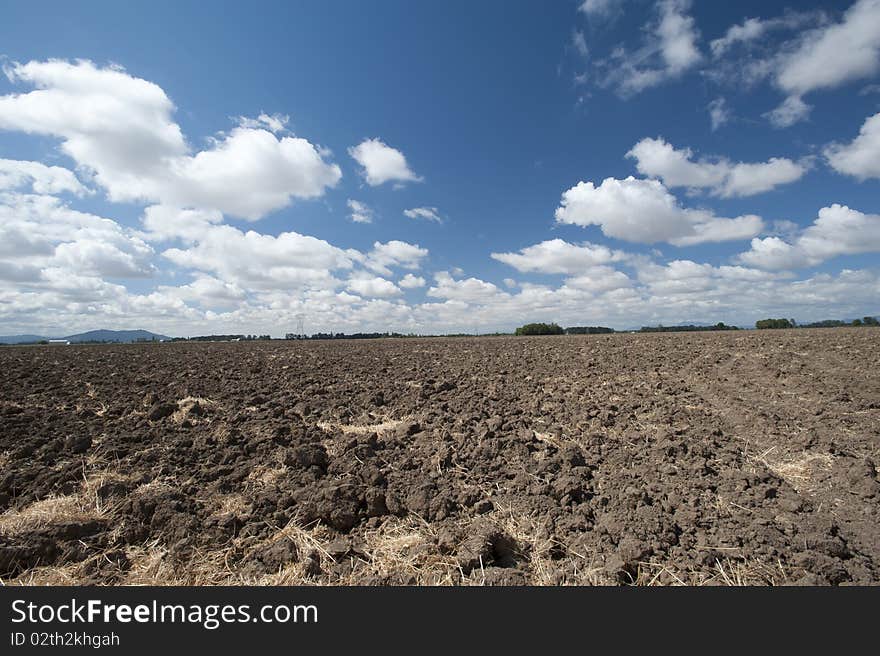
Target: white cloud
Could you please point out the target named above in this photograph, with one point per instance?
(679, 270)
(104, 259)
(60, 267)
(165, 223)
(119, 128)
(248, 173)
(719, 113)
(832, 55)
(670, 51)
(658, 159)
(749, 30)
(827, 57)
(409, 281)
(39, 178)
(469, 290)
(428, 213)
(579, 43)
(599, 279)
(838, 230)
(117, 125)
(382, 163)
(274, 122)
(360, 212)
(373, 287)
(257, 261)
(752, 29)
(644, 211)
(861, 157)
(394, 253)
(678, 36)
(258, 283)
(559, 256)
(599, 7)
(207, 291)
(39, 233)
(792, 110)
(774, 253)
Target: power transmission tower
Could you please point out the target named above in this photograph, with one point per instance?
(300, 323)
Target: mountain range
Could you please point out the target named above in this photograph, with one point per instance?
(118, 336)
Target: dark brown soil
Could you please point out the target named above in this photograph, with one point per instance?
(726, 458)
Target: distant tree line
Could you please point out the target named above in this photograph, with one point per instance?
(588, 330)
(687, 328)
(765, 324)
(345, 336)
(222, 338)
(555, 329)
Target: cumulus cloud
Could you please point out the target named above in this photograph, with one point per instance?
(207, 291)
(469, 290)
(835, 54)
(677, 168)
(248, 173)
(599, 279)
(360, 212)
(409, 281)
(828, 57)
(166, 223)
(690, 276)
(40, 233)
(678, 36)
(373, 287)
(644, 211)
(380, 163)
(838, 230)
(861, 157)
(39, 178)
(120, 129)
(670, 51)
(257, 261)
(427, 213)
(559, 256)
(394, 253)
(118, 126)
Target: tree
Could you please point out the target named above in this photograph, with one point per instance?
(588, 330)
(857, 322)
(765, 324)
(540, 329)
(870, 321)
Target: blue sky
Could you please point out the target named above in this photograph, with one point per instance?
(614, 162)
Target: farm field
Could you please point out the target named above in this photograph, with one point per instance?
(695, 458)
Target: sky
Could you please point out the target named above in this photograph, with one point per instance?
(436, 167)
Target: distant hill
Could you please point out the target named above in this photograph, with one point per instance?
(20, 339)
(117, 336)
(122, 336)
